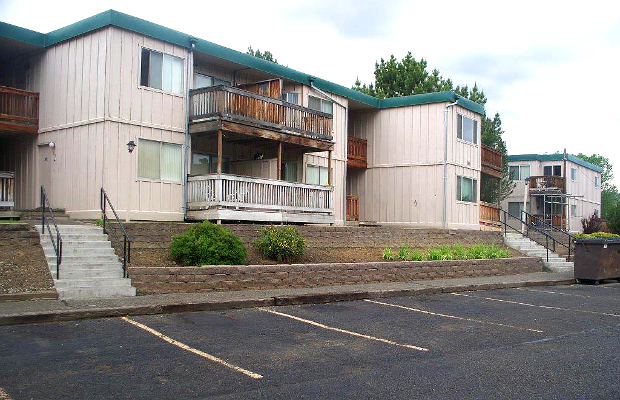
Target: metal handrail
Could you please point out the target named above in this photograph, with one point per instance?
(529, 226)
(44, 222)
(105, 201)
(571, 238)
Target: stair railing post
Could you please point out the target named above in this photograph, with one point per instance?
(124, 256)
(569, 240)
(42, 210)
(102, 198)
(547, 237)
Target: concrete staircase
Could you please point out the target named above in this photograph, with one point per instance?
(527, 246)
(89, 267)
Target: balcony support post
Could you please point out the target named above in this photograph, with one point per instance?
(330, 174)
(279, 166)
(219, 151)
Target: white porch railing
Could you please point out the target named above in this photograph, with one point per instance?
(7, 189)
(242, 192)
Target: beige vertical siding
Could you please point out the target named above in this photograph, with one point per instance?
(404, 181)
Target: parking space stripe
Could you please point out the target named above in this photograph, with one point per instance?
(565, 294)
(451, 316)
(331, 328)
(192, 350)
(537, 305)
(4, 395)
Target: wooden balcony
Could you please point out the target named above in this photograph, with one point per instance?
(357, 152)
(353, 208)
(489, 214)
(234, 105)
(232, 197)
(491, 161)
(7, 189)
(547, 183)
(19, 111)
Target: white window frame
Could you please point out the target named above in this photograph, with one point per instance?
(287, 95)
(212, 161)
(520, 174)
(573, 210)
(161, 142)
(573, 174)
(183, 83)
(459, 129)
(597, 182)
(321, 101)
(214, 80)
(459, 193)
(320, 167)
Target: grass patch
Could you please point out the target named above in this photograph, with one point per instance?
(448, 252)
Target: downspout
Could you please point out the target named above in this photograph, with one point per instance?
(444, 217)
(186, 139)
(346, 145)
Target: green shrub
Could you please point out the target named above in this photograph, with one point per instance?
(416, 255)
(493, 251)
(281, 243)
(596, 235)
(476, 252)
(459, 252)
(388, 255)
(404, 252)
(207, 244)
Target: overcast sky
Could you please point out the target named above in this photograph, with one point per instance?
(551, 69)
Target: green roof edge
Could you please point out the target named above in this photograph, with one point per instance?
(138, 25)
(554, 157)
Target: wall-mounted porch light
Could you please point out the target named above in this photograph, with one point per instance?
(131, 145)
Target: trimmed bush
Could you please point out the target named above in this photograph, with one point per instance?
(596, 235)
(281, 243)
(207, 244)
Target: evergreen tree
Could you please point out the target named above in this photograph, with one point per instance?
(609, 192)
(265, 55)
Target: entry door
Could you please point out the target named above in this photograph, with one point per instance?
(46, 164)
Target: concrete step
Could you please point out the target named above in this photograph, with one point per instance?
(82, 259)
(89, 264)
(77, 237)
(74, 229)
(85, 273)
(91, 292)
(74, 244)
(66, 283)
(79, 251)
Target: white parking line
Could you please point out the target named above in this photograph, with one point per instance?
(537, 305)
(192, 350)
(452, 316)
(4, 395)
(331, 328)
(566, 294)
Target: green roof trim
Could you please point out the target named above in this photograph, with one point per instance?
(554, 157)
(144, 27)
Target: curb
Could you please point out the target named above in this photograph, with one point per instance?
(23, 296)
(327, 297)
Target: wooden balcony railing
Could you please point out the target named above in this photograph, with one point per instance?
(19, 110)
(546, 183)
(353, 208)
(489, 214)
(245, 106)
(243, 192)
(7, 189)
(491, 161)
(357, 152)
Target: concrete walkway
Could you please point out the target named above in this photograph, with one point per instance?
(35, 311)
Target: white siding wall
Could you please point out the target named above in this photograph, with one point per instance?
(404, 180)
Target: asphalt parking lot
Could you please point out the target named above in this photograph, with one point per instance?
(560, 342)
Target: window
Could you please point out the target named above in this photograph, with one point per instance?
(316, 175)
(466, 189)
(573, 210)
(552, 170)
(573, 174)
(467, 129)
(203, 164)
(597, 182)
(291, 97)
(516, 207)
(289, 172)
(160, 160)
(161, 71)
(317, 104)
(519, 172)
(596, 213)
(203, 81)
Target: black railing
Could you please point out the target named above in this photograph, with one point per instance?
(528, 226)
(57, 244)
(105, 202)
(539, 222)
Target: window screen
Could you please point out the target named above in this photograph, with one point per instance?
(160, 160)
(467, 129)
(161, 71)
(466, 189)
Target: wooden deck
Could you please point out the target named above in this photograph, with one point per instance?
(353, 208)
(19, 111)
(547, 183)
(489, 214)
(491, 161)
(245, 107)
(357, 152)
(232, 197)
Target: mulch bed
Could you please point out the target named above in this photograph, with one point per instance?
(23, 269)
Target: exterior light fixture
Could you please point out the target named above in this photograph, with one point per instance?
(131, 145)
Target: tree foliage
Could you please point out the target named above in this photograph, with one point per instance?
(265, 55)
(609, 192)
(394, 78)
